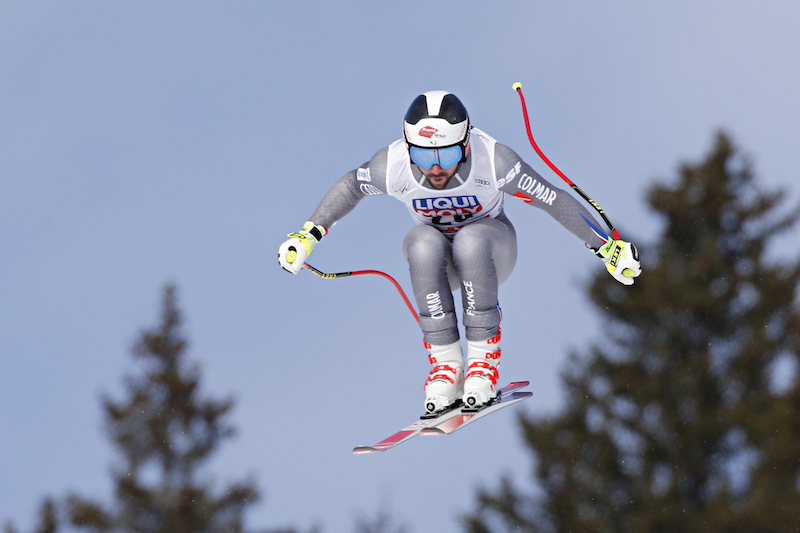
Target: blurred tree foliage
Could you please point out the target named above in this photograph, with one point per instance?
(47, 521)
(165, 431)
(685, 417)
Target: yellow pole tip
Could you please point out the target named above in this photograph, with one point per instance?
(517, 86)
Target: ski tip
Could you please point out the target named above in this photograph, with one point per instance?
(519, 384)
(428, 432)
(358, 450)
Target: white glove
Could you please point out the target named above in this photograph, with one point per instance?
(292, 254)
(621, 259)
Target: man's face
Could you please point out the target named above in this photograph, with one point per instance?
(438, 176)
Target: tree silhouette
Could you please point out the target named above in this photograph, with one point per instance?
(675, 420)
(165, 431)
(47, 520)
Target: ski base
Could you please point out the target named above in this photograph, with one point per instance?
(449, 420)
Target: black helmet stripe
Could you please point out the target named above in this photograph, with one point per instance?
(451, 110)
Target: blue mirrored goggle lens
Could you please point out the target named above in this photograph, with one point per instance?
(444, 157)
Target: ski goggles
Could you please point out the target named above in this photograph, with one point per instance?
(444, 157)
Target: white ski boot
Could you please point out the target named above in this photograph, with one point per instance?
(483, 358)
(445, 384)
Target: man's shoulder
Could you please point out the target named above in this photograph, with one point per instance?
(477, 133)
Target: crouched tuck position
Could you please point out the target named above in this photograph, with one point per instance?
(453, 179)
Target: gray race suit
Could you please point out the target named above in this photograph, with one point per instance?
(463, 238)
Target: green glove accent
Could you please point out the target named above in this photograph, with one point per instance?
(621, 259)
(309, 236)
(292, 254)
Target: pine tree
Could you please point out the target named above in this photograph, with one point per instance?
(48, 518)
(165, 431)
(673, 422)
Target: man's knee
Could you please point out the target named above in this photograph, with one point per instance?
(473, 242)
(423, 242)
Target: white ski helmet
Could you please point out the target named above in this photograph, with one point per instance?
(437, 119)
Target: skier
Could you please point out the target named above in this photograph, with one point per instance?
(453, 178)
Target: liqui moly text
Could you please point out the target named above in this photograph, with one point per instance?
(447, 206)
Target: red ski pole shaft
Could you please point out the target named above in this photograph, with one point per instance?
(384, 275)
(518, 87)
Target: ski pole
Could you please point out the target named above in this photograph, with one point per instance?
(365, 272)
(518, 87)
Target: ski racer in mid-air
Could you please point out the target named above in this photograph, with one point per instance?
(453, 178)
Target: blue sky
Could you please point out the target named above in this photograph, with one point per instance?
(148, 142)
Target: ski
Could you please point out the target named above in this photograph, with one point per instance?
(505, 397)
(410, 431)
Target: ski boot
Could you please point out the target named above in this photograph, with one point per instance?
(445, 383)
(483, 358)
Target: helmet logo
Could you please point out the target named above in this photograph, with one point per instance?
(427, 131)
